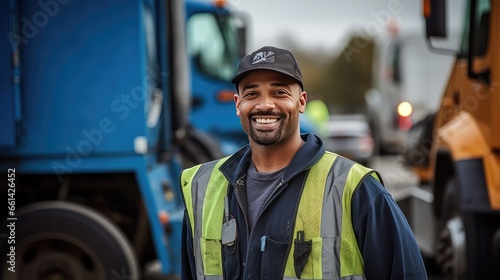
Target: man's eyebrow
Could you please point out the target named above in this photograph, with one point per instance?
(274, 84)
(250, 86)
(280, 84)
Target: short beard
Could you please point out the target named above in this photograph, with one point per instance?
(262, 138)
(266, 138)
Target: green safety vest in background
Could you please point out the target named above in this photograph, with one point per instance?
(335, 253)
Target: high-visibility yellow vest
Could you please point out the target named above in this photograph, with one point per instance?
(335, 253)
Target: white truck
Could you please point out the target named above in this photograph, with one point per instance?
(407, 80)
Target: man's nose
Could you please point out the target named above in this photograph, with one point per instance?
(265, 103)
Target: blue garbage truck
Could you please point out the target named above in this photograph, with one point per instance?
(95, 126)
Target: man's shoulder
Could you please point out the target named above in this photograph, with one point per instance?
(369, 193)
(348, 165)
(208, 164)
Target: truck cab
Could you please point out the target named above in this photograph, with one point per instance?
(216, 41)
(455, 215)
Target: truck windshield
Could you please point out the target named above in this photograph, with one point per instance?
(213, 44)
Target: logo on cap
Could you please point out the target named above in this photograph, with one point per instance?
(264, 56)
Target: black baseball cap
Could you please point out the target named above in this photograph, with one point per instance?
(269, 58)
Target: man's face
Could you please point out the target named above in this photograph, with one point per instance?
(269, 104)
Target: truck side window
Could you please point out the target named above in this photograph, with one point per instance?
(212, 45)
(481, 28)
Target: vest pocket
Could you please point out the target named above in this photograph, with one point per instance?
(273, 260)
(323, 264)
(211, 252)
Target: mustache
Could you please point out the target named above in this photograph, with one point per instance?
(265, 114)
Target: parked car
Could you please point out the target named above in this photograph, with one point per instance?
(350, 136)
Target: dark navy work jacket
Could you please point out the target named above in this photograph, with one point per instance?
(383, 235)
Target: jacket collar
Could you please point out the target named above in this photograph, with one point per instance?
(237, 164)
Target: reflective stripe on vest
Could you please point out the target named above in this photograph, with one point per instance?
(196, 182)
(335, 252)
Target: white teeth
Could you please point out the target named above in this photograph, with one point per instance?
(266, 120)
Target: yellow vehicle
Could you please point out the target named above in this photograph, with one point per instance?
(455, 215)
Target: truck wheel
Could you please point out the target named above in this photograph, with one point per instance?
(451, 255)
(199, 147)
(60, 240)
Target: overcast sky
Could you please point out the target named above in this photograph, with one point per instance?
(325, 23)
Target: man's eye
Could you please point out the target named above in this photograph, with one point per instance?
(279, 92)
(249, 94)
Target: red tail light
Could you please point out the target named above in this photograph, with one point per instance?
(405, 111)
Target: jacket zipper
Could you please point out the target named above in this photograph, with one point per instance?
(271, 196)
(241, 183)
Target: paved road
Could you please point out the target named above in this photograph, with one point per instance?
(396, 177)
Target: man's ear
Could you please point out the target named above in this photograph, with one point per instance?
(237, 103)
(302, 101)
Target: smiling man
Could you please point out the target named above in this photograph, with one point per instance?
(284, 208)
(268, 105)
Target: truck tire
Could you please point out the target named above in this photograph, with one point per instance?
(451, 244)
(60, 240)
(466, 236)
(199, 147)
